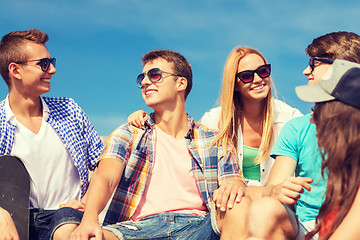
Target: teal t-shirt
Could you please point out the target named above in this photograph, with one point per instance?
(250, 169)
(298, 141)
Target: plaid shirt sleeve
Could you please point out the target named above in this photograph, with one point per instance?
(119, 144)
(228, 165)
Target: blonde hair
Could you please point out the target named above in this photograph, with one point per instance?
(231, 107)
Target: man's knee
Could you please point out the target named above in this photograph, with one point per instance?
(64, 231)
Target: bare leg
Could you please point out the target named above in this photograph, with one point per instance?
(64, 231)
(233, 222)
(107, 235)
(269, 219)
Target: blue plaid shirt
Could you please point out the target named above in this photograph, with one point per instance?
(134, 147)
(74, 129)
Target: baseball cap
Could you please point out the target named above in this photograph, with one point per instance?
(340, 82)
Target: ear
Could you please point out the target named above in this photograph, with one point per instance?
(181, 84)
(14, 71)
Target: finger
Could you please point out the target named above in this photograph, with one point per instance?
(215, 195)
(231, 200)
(290, 194)
(240, 194)
(224, 199)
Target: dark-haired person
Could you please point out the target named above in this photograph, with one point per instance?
(295, 189)
(337, 118)
(168, 176)
(52, 136)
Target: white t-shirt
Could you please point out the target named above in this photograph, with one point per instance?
(54, 178)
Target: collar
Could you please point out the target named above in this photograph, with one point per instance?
(150, 123)
(10, 117)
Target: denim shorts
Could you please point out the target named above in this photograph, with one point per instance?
(43, 223)
(168, 225)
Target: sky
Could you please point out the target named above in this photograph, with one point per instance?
(98, 45)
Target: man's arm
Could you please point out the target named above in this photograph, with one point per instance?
(104, 182)
(282, 185)
(7, 226)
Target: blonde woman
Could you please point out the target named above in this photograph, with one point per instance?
(248, 117)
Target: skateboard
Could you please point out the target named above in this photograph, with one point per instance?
(15, 192)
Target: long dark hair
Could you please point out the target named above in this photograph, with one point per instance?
(338, 133)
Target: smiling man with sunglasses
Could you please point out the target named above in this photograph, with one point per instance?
(169, 177)
(51, 136)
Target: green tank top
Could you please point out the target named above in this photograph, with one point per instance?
(250, 170)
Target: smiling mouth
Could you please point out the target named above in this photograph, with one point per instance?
(45, 80)
(259, 87)
(150, 91)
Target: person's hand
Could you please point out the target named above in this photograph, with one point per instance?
(73, 203)
(138, 118)
(7, 226)
(87, 230)
(288, 192)
(228, 193)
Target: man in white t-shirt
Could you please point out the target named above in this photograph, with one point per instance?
(51, 136)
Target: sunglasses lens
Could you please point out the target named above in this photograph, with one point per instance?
(139, 79)
(246, 76)
(44, 63)
(53, 61)
(263, 71)
(154, 74)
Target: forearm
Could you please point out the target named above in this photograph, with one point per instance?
(268, 191)
(254, 192)
(103, 183)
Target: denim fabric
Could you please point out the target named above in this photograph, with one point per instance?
(40, 223)
(166, 226)
(43, 223)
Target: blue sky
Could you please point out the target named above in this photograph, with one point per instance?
(99, 43)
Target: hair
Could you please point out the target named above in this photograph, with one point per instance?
(336, 45)
(180, 65)
(231, 106)
(341, 158)
(13, 48)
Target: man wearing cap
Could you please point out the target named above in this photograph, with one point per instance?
(295, 189)
(337, 114)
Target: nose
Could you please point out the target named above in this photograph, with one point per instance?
(307, 71)
(52, 69)
(257, 78)
(146, 81)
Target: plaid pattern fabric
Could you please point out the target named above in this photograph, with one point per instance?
(74, 129)
(134, 147)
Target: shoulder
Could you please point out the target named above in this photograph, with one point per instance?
(203, 130)
(284, 112)
(299, 124)
(63, 106)
(60, 103)
(125, 131)
(211, 118)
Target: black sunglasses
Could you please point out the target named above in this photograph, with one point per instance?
(154, 75)
(323, 60)
(43, 62)
(248, 75)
